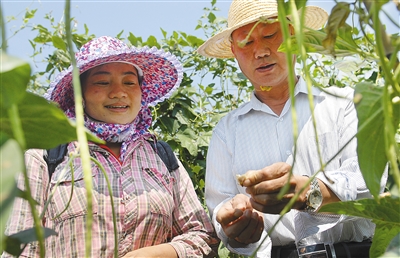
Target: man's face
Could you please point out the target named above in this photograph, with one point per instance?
(259, 58)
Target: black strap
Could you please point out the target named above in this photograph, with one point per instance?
(56, 155)
(167, 155)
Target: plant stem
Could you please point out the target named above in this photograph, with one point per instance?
(80, 130)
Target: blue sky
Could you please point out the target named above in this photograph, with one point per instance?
(142, 18)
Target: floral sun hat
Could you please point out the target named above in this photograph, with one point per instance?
(243, 12)
(160, 72)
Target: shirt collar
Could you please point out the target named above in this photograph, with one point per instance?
(256, 104)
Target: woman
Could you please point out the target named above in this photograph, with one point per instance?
(157, 211)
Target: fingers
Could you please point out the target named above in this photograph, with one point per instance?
(272, 186)
(239, 221)
(273, 171)
(228, 217)
(252, 233)
(272, 196)
(233, 209)
(271, 209)
(272, 199)
(247, 229)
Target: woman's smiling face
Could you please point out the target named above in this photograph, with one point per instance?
(112, 93)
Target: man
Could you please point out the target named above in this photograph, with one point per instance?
(255, 143)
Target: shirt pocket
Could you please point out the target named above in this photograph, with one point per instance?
(158, 188)
(70, 195)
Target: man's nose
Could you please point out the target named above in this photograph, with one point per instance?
(261, 50)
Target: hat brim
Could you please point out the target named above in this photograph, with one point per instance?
(162, 74)
(219, 45)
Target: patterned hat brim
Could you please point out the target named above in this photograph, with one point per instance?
(162, 74)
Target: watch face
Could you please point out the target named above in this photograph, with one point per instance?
(315, 199)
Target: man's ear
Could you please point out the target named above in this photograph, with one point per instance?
(291, 29)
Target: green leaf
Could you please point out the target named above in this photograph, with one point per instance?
(211, 17)
(14, 76)
(152, 42)
(13, 242)
(384, 233)
(11, 163)
(336, 19)
(59, 43)
(370, 138)
(194, 41)
(204, 139)
(45, 126)
(188, 142)
(384, 212)
(135, 41)
(30, 14)
(312, 42)
(5, 213)
(119, 34)
(170, 123)
(164, 33)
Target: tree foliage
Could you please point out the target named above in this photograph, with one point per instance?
(364, 58)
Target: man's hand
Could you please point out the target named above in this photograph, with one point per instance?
(265, 184)
(239, 221)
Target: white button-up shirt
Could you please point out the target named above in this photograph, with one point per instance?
(253, 136)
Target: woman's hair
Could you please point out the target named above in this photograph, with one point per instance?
(83, 77)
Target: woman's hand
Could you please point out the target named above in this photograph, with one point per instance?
(162, 250)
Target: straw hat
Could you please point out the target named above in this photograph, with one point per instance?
(243, 12)
(160, 72)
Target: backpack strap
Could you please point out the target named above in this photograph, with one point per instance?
(167, 155)
(55, 156)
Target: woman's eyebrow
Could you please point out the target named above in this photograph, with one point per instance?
(107, 72)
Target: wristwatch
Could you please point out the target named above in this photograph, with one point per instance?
(313, 196)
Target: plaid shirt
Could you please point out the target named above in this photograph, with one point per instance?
(152, 206)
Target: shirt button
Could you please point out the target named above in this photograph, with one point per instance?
(288, 153)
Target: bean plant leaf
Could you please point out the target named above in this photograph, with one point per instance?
(14, 76)
(188, 142)
(13, 242)
(11, 162)
(59, 43)
(44, 124)
(312, 42)
(371, 136)
(384, 212)
(336, 19)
